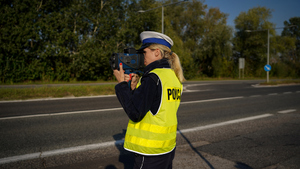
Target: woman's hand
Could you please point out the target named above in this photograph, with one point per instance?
(134, 80)
(120, 76)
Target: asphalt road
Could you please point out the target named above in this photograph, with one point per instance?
(227, 124)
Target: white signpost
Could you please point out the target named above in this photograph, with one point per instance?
(241, 66)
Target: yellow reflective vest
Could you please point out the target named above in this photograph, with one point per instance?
(156, 134)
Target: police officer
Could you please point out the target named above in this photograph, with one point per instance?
(151, 103)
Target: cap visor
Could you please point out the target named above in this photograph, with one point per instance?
(144, 46)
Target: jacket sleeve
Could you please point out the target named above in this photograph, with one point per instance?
(138, 102)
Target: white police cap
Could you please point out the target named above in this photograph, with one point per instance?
(150, 37)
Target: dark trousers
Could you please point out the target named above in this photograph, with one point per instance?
(154, 162)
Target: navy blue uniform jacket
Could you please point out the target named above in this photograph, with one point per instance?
(147, 96)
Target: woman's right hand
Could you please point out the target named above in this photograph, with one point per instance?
(134, 80)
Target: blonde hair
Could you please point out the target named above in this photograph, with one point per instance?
(173, 59)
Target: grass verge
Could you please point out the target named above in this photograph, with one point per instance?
(55, 92)
(81, 90)
(280, 82)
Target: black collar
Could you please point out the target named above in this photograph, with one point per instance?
(163, 63)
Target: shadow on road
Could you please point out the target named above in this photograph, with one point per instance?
(195, 150)
(240, 165)
(125, 157)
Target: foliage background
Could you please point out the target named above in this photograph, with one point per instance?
(63, 40)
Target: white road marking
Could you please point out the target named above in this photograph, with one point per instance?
(189, 91)
(62, 113)
(191, 85)
(287, 92)
(212, 100)
(271, 94)
(255, 96)
(63, 98)
(287, 111)
(113, 143)
(103, 110)
(59, 151)
(225, 123)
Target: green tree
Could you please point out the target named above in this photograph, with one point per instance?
(17, 38)
(292, 56)
(98, 38)
(215, 45)
(29, 32)
(253, 45)
(173, 26)
(188, 25)
(292, 29)
(282, 56)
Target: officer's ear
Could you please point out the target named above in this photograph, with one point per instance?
(157, 53)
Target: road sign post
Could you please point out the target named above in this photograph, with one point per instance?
(267, 69)
(241, 66)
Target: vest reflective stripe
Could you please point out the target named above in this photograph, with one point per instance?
(156, 134)
(154, 151)
(150, 143)
(153, 128)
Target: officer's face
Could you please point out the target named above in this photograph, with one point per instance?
(151, 55)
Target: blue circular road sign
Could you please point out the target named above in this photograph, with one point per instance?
(267, 68)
